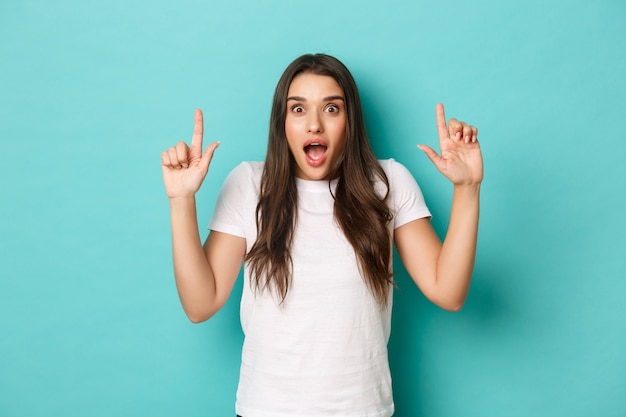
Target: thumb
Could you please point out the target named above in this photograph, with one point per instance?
(207, 156)
(432, 155)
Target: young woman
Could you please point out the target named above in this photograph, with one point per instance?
(313, 226)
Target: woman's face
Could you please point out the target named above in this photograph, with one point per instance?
(315, 124)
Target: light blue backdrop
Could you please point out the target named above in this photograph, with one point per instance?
(92, 92)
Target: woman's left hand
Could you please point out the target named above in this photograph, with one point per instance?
(461, 160)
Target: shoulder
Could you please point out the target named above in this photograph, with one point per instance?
(247, 172)
(395, 171)
(248, 169)
(405, 196)
(243, 181)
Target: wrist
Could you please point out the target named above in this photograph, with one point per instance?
(470, 189)
(182, 201)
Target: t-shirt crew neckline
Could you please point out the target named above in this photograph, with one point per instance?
(316, 185)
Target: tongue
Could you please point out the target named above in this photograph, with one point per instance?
(315, 152)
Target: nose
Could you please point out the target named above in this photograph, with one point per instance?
(314, 123)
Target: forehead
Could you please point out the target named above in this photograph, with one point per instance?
(311, 85)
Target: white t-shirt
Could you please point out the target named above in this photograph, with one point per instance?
(324, 351)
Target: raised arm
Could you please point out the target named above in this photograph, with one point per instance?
(205, 275)
(443, 271)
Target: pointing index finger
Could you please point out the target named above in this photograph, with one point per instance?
(198, 131)
(441, 122)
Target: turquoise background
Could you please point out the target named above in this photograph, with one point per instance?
(92, 92)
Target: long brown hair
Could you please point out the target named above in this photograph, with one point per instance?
(361, 213)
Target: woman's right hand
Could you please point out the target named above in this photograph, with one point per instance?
(185, 167)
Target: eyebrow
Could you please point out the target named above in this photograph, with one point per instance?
(329, 98)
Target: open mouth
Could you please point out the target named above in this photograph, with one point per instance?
(315, 151)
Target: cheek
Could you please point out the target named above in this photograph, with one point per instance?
(291, 127)
(288, 130)
(339, 129)
(290, 133)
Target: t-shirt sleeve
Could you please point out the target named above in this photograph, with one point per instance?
(406, 196)
(233, 199)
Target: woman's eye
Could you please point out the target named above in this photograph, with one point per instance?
(297, 109)
(332, 108)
